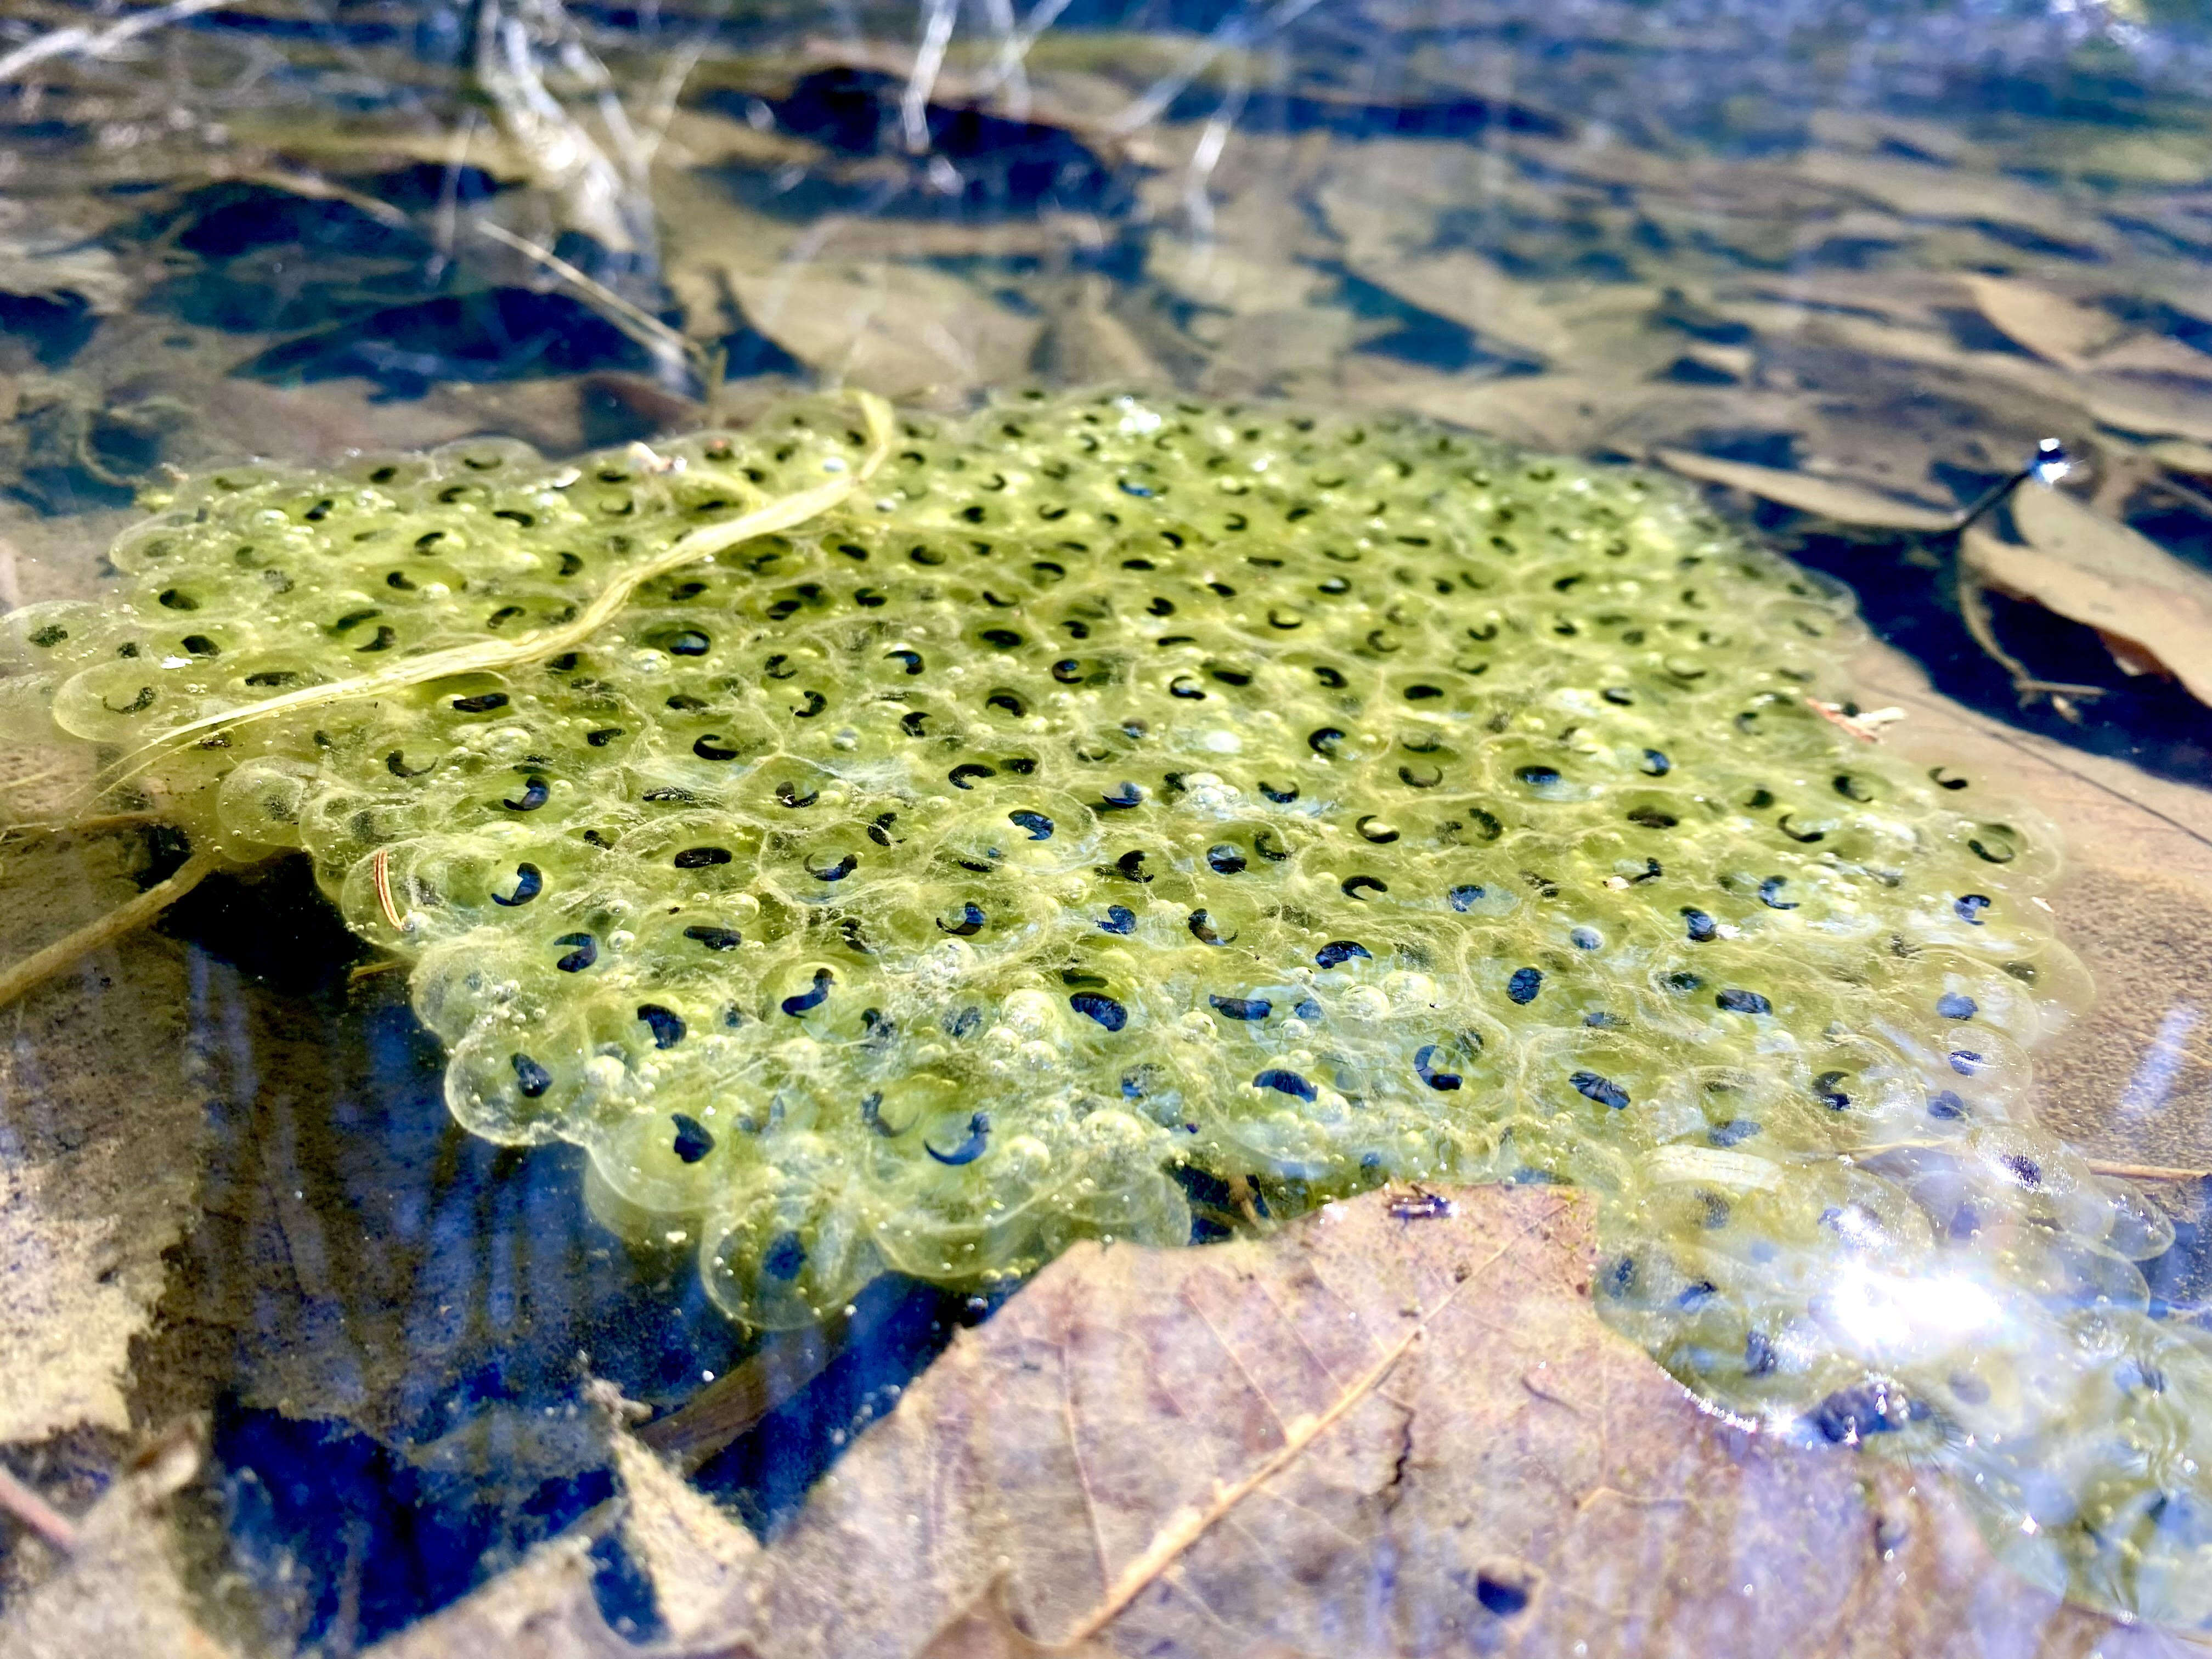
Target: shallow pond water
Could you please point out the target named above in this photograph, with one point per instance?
(1839, 271)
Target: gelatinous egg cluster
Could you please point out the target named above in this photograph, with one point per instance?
(1111, 797)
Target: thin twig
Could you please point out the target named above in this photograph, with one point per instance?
(1188, 1525)
(641, 325)
(2094, 1165)
(2145, 1172)
(28, 779)
(125, 918)
(82, 826)
(1240, 1194)
(446, 221)
(1973, 596)
(305, 183)
(35, 1512)
(89, 43)
(1859, 726)
(107, 821)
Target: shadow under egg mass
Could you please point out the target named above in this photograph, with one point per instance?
(391, 1321)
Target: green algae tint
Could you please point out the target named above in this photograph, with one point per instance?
(1110, 786)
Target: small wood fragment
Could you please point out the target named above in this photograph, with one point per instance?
(1866, 726)
(733, 1404)
(1240, 1194)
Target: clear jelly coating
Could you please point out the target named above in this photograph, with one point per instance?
(1112, 794)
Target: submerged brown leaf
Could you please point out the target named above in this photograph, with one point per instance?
(1839, 499)
(2132, 1084)
(1582, 408)
(2154, 354)
(1371, 1434)
(2154, 612)
(2156, 405)
(1253, 251)
(1087, 343)
(1544, 411)
(1920, 190)
(1474, 292)
(45, 266)
(895, 329)
(541, 1609)
(1878, 132)
(2068, 332)
(2182, 456)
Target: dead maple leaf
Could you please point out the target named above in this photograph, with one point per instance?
(1374, 1433)
(1919, 190)
(2156, 405)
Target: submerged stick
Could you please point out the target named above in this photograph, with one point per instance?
(733, 1404)
(125, 918)
(89, 826)
(2145, 1172)
(35, 1513)
(641, 325)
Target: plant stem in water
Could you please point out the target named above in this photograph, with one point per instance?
(125, 918)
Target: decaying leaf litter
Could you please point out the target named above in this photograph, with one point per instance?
(1411, 1377)
(1679, 349)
